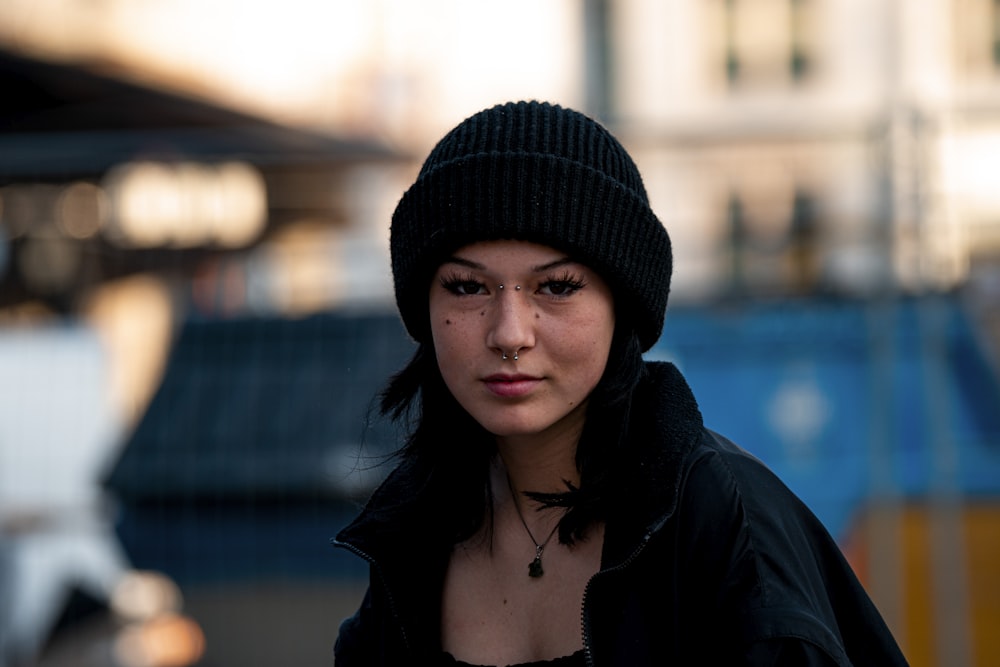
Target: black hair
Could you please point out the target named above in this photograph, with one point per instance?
(446, 443)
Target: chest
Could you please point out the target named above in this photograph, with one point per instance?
(494, 613)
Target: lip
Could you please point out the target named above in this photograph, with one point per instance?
(511, 385)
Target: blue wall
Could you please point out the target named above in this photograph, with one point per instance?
(847, 401)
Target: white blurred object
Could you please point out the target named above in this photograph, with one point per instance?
(57, 422)
(57, 427)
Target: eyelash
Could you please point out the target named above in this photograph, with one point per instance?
(456, 283)
(570, 282)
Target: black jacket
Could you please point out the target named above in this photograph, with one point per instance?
(711, 560)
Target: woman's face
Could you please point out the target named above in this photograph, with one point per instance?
(554, 315)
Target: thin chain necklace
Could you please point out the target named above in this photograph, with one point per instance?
(535, 566)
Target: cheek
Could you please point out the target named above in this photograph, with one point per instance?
(591, 336)
(450, 335)
(453, 361)
(588, 345)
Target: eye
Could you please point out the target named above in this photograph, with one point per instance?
(561, 287)
(463, 285)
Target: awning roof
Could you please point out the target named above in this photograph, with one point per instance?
(59, 120)
(60, 124)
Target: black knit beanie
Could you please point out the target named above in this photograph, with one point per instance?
(535, 172)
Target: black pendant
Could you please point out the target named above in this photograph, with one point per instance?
(535, 567)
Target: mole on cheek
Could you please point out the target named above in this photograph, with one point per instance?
(481, 314)
(447, 321)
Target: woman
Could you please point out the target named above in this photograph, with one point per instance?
(558, 498)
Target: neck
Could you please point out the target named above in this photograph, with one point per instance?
(532, 463)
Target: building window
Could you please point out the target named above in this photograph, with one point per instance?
(773, 241)
(767, 42)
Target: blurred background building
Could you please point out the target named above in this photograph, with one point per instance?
(196, 307)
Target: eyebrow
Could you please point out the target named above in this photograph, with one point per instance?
(540, 268)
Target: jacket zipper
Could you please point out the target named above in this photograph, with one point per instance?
(385, 585)
(584, 616)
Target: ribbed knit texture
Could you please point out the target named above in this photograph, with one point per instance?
(535, 172)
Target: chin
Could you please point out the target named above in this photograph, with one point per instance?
(507, 430)
(519, 428)
(503, 428)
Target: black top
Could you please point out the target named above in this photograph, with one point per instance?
(573, 660)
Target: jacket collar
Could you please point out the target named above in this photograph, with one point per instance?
(664, 427)
(665, 424)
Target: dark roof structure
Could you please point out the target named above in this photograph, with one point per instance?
(266, 408)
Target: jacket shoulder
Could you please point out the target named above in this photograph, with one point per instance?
(780, 576)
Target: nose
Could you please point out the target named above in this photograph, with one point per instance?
(511, 329)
